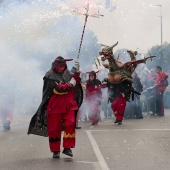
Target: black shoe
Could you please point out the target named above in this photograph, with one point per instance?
(116, 121)
(67, 151)
(119, 122)
(6, 125)
(94, 123)
(77, 127)
(56, 154)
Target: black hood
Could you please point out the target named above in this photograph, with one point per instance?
(92, 73)
(58, 62)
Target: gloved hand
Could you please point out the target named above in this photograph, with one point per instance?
(105, 80)
(73, 81)
(77, 66)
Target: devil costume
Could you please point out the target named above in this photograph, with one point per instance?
(119, 81)
(57, 105)
(93, 96)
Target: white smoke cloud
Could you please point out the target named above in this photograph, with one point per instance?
(32, 35)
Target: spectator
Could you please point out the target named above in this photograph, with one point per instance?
(160, 83)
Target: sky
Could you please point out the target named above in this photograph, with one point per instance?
(135, 24)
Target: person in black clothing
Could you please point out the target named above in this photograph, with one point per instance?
(137, 85)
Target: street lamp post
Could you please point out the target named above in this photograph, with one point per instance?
(161, 20)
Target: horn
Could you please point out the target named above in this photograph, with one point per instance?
(132, 54)
(114, 45)
(103, 45)
(68, 59)
(97, 71)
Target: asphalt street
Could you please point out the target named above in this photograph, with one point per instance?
(138, 144)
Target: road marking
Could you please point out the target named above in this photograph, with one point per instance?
(97, 151)
(132, 130)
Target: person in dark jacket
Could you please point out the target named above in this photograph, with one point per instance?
(137, 85)
(57, 105)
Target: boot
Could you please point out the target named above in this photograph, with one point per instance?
(56, 154)
(94, 123)
(116, 121)
(119, 122)
(67, 151)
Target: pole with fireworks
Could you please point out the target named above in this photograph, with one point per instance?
(86, 17)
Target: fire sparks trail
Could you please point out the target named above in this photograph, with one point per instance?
(86, 17)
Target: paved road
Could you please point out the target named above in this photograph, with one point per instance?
(136, 145)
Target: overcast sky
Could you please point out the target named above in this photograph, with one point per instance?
(134, 23)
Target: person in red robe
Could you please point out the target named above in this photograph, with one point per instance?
(57, 106)
(160, 83)
(93, 97)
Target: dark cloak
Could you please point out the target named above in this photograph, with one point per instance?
(38, 123)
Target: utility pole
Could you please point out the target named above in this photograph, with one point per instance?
(161, 20)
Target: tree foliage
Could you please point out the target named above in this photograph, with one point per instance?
(162, 56)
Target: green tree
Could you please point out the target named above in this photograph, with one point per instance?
(162, 56)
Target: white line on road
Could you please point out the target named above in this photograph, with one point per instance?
(96, 149)
(132, 130)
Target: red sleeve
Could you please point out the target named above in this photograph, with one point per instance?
(65, 86)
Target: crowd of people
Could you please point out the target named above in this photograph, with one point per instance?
(150, 83)
(155, 83)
